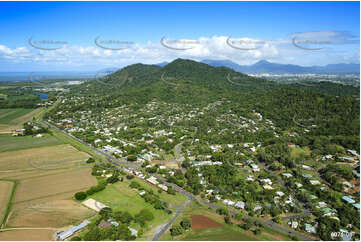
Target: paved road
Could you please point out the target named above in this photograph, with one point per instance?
(167, 226)
(190, 196)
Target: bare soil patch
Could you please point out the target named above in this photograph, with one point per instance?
(203, 222)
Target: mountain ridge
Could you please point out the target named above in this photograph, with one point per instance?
(264, 66)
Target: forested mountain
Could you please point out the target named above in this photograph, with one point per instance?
(333, 108)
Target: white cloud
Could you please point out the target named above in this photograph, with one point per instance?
(215, 47)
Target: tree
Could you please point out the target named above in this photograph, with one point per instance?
(105, 212)
(124, 217)
(186, 223)
(80, 196)
(92, 235)
(143, 216)
(131, 158)
(90, 160)
(112, 179)
(171, 191)
(228, 219)
(222, 211)
(176, 230)
(277, 219)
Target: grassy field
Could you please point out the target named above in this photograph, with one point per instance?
(298, 152)
(177, 199)
(63, 138)
(5, 192)
(11, 119)
(9, 142)
(225, 233)
(8, 115)
(120, 197)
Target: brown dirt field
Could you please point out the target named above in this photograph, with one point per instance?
(27, 234)
(46, 186)
(164, 163)
(57, 156)
(5, 191)
(48, 212)
(202, 222)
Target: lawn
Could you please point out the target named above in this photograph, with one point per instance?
(10, 143)
(177, 199)
(120, 197)
(298, 152)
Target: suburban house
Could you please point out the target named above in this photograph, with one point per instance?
(348, 199)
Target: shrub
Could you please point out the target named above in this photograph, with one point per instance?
(90, 160)
(176, 230)
(186, 223)
(80, 196)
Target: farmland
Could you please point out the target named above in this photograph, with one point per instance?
(47, 173)
(55, 212)
(50, 185)
(10, 143)
(27, 234)
(11, 119)
(49, 157)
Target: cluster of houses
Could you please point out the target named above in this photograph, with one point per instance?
(109, 123)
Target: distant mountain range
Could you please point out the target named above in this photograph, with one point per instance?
(264, 66)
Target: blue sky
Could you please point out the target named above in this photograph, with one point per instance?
(265, 29)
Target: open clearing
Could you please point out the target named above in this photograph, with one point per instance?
(38, 187)
(120, 197)
(10, 143)
(27, 234)
(203, 222)
(50, 157)
(11, 119)
(5, 192)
